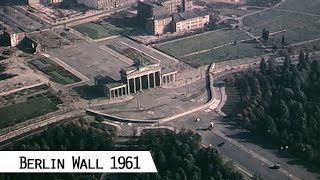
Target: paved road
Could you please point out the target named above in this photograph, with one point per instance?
(241, 157)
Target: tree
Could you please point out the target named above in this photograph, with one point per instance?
(99, 118)
(265, 34)
(263, 65)
(283, 41)
(257, 177)
(287, 62)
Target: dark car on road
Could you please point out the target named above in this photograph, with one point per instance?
(275, 166)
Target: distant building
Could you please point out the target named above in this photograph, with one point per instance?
(159, 17)
(190, 20)
(101, 4)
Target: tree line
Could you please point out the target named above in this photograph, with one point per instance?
(180, 157)
(177, 156)
(282, 103)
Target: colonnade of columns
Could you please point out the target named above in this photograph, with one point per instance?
(169, 78)
(118, 92)
(146, 81)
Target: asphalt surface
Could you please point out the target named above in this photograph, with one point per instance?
(241, 157)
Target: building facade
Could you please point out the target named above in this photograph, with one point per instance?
(190, 20)
(102, 4)
(31, 2)
(162, 16)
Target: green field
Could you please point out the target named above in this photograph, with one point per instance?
(237, 12)
(307, 6)
(240, 50)
(29, 109)
(233, 98)
(98, 31)
(201, 42)
(276, 20)
(296, 35)
(56, 72)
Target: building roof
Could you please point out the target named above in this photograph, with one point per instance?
(182, 16)
(114, 85)
(149, 2)
(162, 17)
(104, 79)
(136, 71)
(168, 71)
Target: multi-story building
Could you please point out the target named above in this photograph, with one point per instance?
(102, 4)
(159, 24)
(161, 16)
(189, 20)
(31, 2)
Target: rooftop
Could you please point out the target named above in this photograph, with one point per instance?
(114, 85)
(162, 17)
(104, 79)
(182, 16)
(168, 70)
(133, 70)
(150, 3)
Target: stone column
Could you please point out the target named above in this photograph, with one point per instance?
(128, 85)
(109, 94)
(134, 85)
(120, 92)
(112, 94)
(154, 80)
(148, 81)
(140, 79)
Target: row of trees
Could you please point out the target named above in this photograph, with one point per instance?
(180, 157)
(177, 156)
(78, 135)
(283, 103)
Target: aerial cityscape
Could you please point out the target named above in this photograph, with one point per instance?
(214, 89)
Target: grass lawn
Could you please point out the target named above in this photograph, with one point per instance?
(233, 98)
(296, 35)
(29, 109)
(307, 6)
(240, 50)
(201, 42)
(98, 31)
(57, 73)
(276, 20)
(237, 12)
